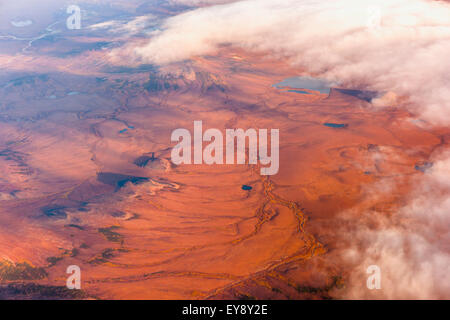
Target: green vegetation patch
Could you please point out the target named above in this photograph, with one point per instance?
(336, 282)
(10, 271)
(111, 235)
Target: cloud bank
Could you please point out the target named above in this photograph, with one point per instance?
(411, 246)
(386, 45)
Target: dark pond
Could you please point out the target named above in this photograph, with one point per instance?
(119, 180)
(315, 84)
(336, 125)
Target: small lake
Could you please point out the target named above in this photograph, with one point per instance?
(309, 83)
(365, 95)
(299, 91)
(126, 129)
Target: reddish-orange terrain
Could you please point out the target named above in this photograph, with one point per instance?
(86, 176)
(86, 179)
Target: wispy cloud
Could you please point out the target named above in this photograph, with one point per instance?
(129, 27)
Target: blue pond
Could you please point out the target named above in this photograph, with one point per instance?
(126, 129)
(246, 188)
(424, 167)
(336, 125)
(315, 84)
(299, 91)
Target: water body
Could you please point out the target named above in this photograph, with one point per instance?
(324, 86)
(299, 91)
(54, 211)
(424, 166)
(126, 129)
(119, 180)
(336, 125)
(143, 68)
(21, 23)
(246, 188)
(315, 84)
